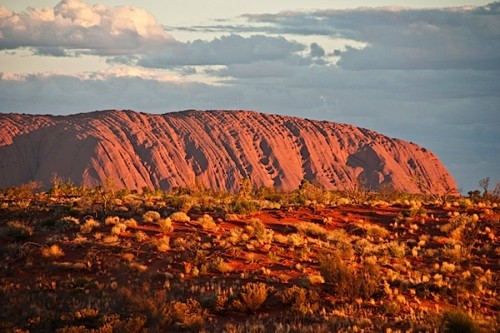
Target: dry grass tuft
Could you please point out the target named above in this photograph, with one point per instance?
(180, 217)
(53, 251)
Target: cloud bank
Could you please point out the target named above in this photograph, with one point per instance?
(402, 38)
(74, 27)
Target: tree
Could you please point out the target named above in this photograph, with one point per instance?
(484, 184)
(246, 188)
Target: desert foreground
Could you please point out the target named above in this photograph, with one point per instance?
(194, 260)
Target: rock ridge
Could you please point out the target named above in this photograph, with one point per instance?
(216, 148)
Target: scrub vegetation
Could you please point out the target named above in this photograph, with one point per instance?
(74, 259)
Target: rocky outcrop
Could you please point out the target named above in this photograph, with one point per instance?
(215, 148)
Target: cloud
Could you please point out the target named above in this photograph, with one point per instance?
(401, 38)
(226, 50)
(317, 51)
(74, 27)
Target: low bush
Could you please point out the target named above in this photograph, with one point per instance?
(252, 296)
(180, 217)
(457, 321)
(189, 315)
(207, 222)
(165, 225)
(89, 225)
(303, 302)
(312, 230)
(53, 251)
(347, 281)
(151, 216)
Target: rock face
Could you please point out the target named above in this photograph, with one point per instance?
(215, 148)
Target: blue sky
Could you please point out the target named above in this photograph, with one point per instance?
(424, 71)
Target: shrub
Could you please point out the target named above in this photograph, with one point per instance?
(252, 296)
(189, 314)
(243, 206)
(141, 236)
(68, 223)
(345, 280)
(89, 225)
(296, 239)
(132, 223)
(457, 321)
(53, 251)
(111, 220)
(463, 228)
(151, 216)
(447, 267)
(165, 225)
(255, 228)
(207, 222)
(303, 302)
(162, 244)
(397, 250)
(337, 273)
(111, 239)
(16, 230)
(312, 230)
(222, 266)
(376, 231)
(180, 217)
(415, 211)
(118, 229)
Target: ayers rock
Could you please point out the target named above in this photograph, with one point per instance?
(216, 148)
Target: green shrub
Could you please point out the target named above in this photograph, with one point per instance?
(243, 206)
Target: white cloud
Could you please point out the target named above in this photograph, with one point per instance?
(74, 27)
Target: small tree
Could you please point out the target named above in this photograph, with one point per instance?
(246, 188)
(484, 184)
(359, 191)
(496, 191)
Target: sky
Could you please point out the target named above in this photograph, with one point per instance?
(422, 71)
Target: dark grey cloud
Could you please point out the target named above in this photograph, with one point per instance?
(317, 51)
(226, 50)
(73, 26)
(404, 38)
